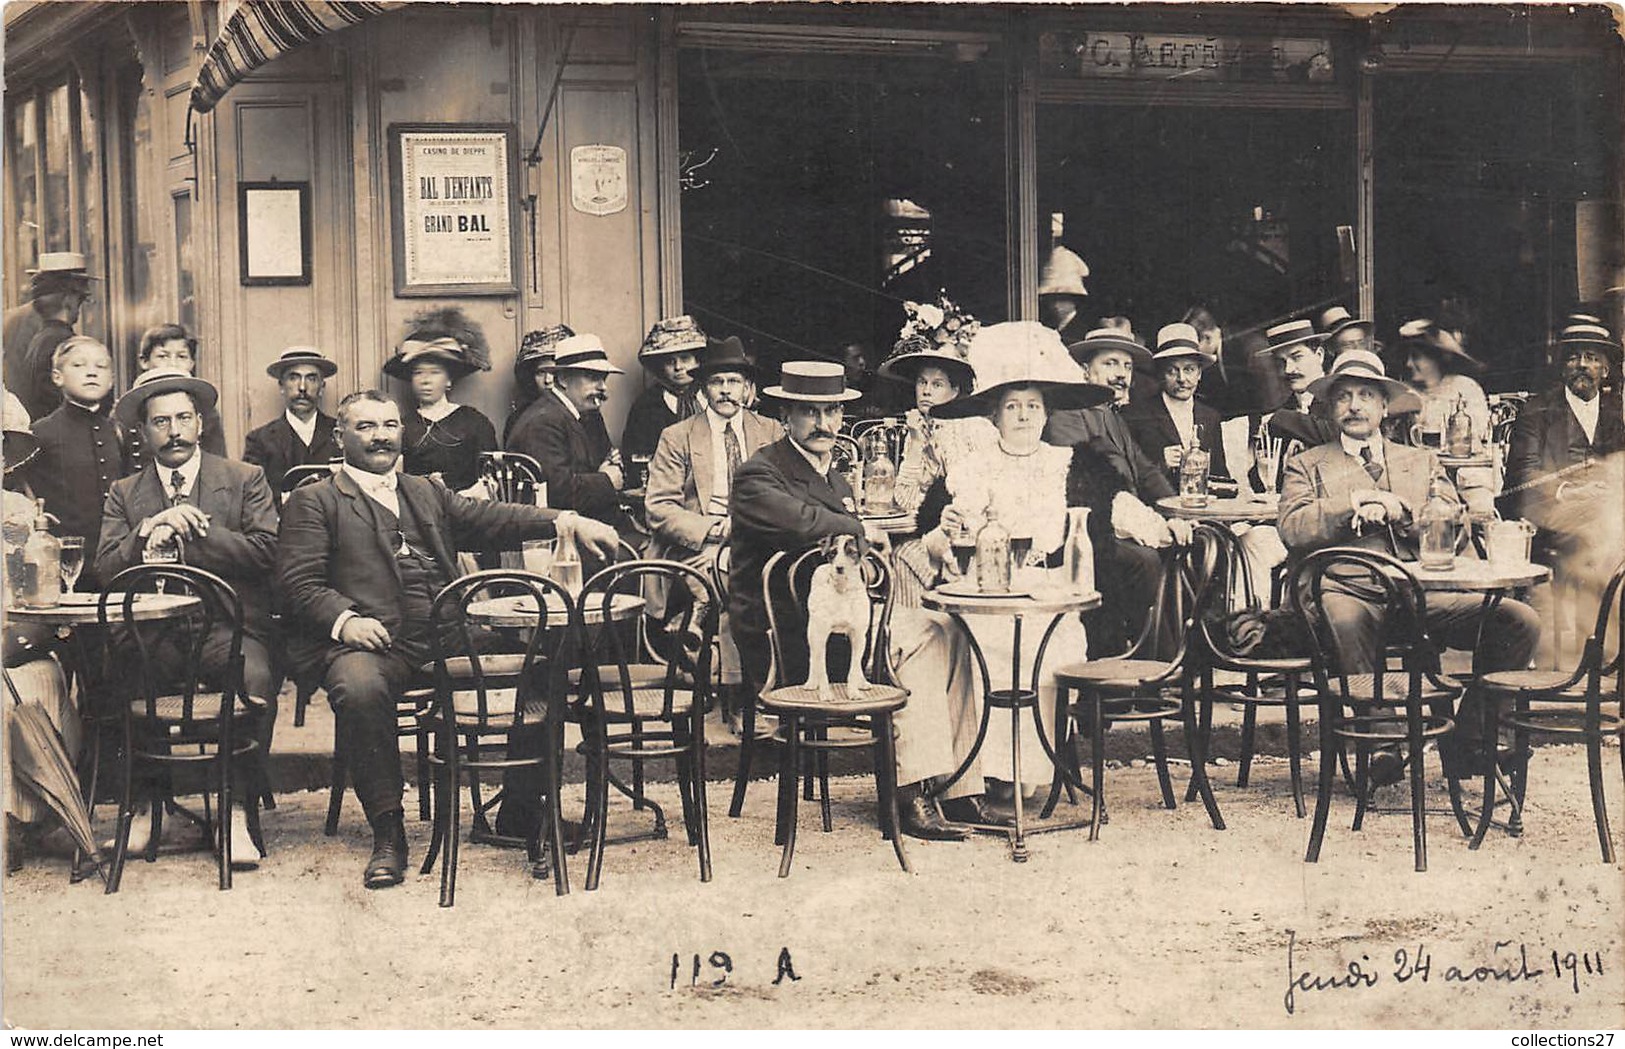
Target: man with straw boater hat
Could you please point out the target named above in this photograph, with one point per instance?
(1340, 330)
(1299, 421)
(564, 432)
(669, 355)
(223, 517)
(789, 496)
(1174, 419)
(691, 477)
(303, 434)
(1362, 490)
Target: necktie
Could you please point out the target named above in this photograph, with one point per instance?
(1371, 465)
(177, 486)
(730, 447)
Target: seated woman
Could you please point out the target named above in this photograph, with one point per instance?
(1441, 374)
(932, 352)
(439, 439)
(1025, 374)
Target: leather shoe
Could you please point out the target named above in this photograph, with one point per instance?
(387, 866)
(969, 809)
(919, 819)
(1386, 769)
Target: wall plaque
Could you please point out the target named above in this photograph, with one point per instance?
(598, 179)
(452, 194)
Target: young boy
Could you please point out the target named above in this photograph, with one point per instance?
(79, 450)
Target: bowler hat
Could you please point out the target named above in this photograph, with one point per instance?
(150, 384)
(725, 355)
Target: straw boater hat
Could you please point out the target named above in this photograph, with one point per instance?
(584, 353)
(1337, 319)
(671, 335)
(127, 409)
(59, 271)
(1283, 337)
(446, 336)
(1102, 339)
(725, 355)
(1177, 341)
(937, 334)
(1023, 353)
(1365, 366)
(1580, 334)
(20, 442)
(814, 382)
(301, 355)
(539, 350)
(1062, 273)
(1424, 334)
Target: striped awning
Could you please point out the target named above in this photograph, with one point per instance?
(257, 31)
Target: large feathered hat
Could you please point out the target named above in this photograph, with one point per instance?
(446, 336)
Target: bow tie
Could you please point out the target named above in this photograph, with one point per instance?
(382, 482)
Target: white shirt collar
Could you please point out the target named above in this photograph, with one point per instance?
(370, 482)
(1351, 446)
(189, 471)
(1183, 414)
(718, 423)
(1585, 411)
(671, 400)
(822, 465)
(435, 412)
(305, 430)
(1304, 399)
(564, 400)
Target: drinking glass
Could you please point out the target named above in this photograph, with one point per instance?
(73, 560)
(962, 541)
(1021, 546)
(537, 555)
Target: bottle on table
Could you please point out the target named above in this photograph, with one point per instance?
(879, 472)
(1439, 526)
(1458, 430)
(993, 556)
(566, 569)
(1193, 467)
(41, 563)
(1078, 555)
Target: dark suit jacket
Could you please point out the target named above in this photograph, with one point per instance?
(79, 459)
(336, 557)
(570, 450)
(779, 502)
(240, 547)
(32, 382)
(275, 448)
(1105, 433)
(1154, 429)
(1547, 438)
(1316, 510)
(681, 479)
(645, 422)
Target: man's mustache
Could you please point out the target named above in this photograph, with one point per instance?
(382, 446)
(178, 442)
(821, 433)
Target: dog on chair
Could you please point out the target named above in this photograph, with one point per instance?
(837, 603)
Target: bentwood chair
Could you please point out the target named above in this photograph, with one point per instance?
(295, 478)
(633, 707)
(1136, 686)
(1214, 652)
(514, 476)
(170, 719)
(499, 713)
(862, 720)
(1403, 701)
(1586, 704)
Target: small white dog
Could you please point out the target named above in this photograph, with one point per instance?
(837, 603)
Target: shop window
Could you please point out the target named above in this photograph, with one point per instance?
(60, 158)
(185, 268)
(823, 190)
(22, 161)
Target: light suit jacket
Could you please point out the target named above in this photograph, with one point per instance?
(682, 476)
(1316, 510)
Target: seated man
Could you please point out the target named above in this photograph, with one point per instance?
(669, 354)
(788, 497)
(1360, 490)
(691, 476)
(303, 434)
(1128, 568)
(1175, 419)
(362, 558)
(564, 432)
(224, 518)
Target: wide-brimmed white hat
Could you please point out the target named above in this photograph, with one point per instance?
(584, 352)
(816, 382)
(20, 442)
(1023, 353)
(1365, 366)
(150, 384)
(1176, 341)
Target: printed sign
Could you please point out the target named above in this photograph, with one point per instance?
(598, 179)
(454, 210)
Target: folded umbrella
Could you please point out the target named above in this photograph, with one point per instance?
(40, 759)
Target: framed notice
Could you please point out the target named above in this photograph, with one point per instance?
(273, 233)
(452, 195)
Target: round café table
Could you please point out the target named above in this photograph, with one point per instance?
(1018, 606)
(517, 613)
(1243, 509)
(891, 522)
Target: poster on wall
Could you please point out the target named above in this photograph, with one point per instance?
(452, 193)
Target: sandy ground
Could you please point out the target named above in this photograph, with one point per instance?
(1163, 923)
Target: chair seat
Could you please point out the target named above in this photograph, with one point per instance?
(205, 707)
(1532, 681)
(646, 702)
(1282, 665)
(641, 675)
(800, 699)
(499, 703)
(1364, 687)
(497, 664)
(1122, 673)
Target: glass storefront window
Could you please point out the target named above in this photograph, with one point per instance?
(821, 191)
(22, 160)
(59, 158)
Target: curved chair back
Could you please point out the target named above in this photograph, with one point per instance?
(488, 689)
(847, 460)
(617, 663)
(894, 429)
(299, 476)
(165, 681)
(787, 582)
(514, 476)
(1225, 587)
(1384, 583)
(1611, 607)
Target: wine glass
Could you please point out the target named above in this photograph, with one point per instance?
(73, 560)
(166, 553)
(1265, 459)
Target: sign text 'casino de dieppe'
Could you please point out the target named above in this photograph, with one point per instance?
(1203, 58)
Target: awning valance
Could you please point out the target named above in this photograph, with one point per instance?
(257, 31)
